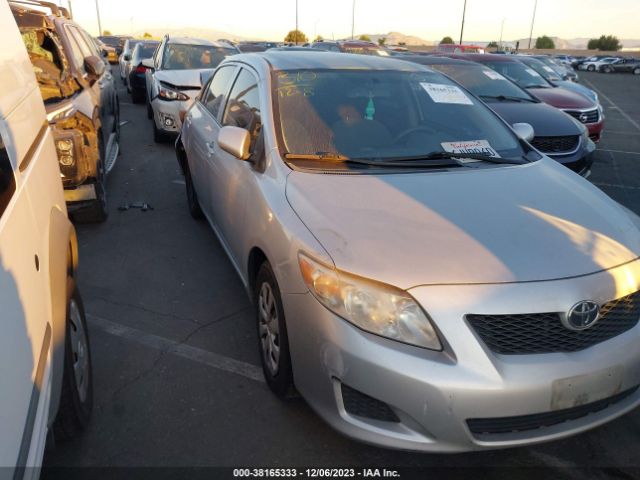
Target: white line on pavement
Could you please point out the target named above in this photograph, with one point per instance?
(617, 151)
(195, 354)
(626, 187)
(622, 112)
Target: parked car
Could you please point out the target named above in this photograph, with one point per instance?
(593, 65)
(136, 79)
(106, 51)
(556, 134)
(45, 359)
(350, 46)
(115, 41)
(458, 48)
(565, 71)
(578, 106)
(247, 47)
(173, 79)
(125, 58)
(628, 65)
(424, 277)
(551, 76)
(81, 102)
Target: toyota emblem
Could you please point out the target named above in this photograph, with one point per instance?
(582, 315)
(584, 117)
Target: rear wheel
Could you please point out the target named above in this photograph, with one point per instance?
(149, 110)
(76, 397)
(591, 68)
(273, 340)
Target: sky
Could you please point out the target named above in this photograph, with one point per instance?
(428, 19)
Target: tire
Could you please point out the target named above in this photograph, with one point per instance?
(273, 341)
(591, 68)
(607, 70)
(76, 396)
(97, 210)
(192, 196)
(137, 96)
(149, 110)
(636, 71)
(158, 135)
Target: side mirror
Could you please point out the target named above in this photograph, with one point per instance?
(524, 131)
(236, 141)
(94, 66)
(127, 57)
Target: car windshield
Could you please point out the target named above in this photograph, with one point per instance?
(483, 82)
(524, 76)
(547, 72)
(146, 50)
(383, 115)
(184, 57)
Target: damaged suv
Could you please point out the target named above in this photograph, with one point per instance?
(81, 103)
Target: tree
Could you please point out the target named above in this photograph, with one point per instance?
(364, 38)
(382, 41)
(296, 36)
(147, 35)
(319, 38)
(593, 44)
(545, 42)
(609, 43)
(493, 45)
(446, 41)
(107, 33)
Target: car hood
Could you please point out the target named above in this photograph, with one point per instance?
(507, 224)
(547, 121)
(185, 79)
(561, 98)
(577, 88)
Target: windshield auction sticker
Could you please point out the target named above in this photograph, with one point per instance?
(477, 147)
(493, 75)
(440, 93)
(548, 69)
(532, 72)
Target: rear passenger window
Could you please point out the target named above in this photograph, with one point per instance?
(218, 87)
(243, 108)
(7, 180)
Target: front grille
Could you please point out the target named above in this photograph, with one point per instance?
(361, 405)
(556, 145)
(592, 116)
(523, 423)
(524, 334)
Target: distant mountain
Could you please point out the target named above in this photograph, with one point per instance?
(396, 38)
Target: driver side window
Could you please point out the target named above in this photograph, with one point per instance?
(215, 97)
(243, 107)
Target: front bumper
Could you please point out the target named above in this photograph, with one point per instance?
(166, 114)
(434, 394)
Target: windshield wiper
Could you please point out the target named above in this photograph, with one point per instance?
(417, 161)
(509, 98)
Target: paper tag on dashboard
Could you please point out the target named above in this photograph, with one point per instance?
(440, 93)
(477, 147)
(532, 72)
(493, 75)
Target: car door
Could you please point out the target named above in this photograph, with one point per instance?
(230, 177)
(25, 342)
(202, 124)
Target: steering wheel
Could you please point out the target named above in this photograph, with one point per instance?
(411, 131)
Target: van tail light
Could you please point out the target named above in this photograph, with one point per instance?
(141, 69)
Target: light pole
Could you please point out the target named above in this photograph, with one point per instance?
(353, 19)
(464, 11)
(98, 13)
(533, 19)
(501, 30)
(70, 9)
(296, 32)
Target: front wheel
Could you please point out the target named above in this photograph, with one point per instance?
(96, 211)
(591, 68)
(192, 196)
(636, 71)
(76, 397)
(273, 340)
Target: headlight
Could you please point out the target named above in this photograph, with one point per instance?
(171, 94)
(65, 145)
(375, 307)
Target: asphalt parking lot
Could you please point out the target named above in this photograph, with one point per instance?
(176, 366)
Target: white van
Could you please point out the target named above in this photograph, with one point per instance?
(45, 364)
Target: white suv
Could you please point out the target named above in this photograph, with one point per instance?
(45, 364)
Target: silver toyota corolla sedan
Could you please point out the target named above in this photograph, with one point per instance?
(423, 276)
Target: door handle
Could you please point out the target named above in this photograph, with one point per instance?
(211, 147)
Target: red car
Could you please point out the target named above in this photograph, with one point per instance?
(581, 108)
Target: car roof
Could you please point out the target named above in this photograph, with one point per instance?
(436, 60)
(298, 60)
(195, 41)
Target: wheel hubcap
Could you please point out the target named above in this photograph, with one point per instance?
(79, 351)
(268, 328)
